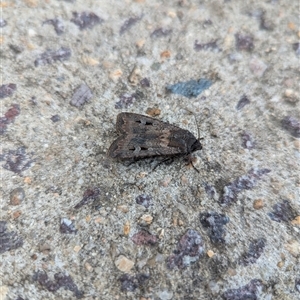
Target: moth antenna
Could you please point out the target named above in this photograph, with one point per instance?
(199, 138)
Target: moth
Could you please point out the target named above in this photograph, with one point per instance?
(144, 137)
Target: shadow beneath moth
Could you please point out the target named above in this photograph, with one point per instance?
(145, 137)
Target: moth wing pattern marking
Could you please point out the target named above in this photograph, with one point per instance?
(142, 136)
(132, 123)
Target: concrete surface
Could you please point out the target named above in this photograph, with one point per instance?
(247, 48)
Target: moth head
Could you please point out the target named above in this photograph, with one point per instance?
(196, 145)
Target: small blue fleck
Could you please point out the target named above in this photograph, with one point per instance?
(191, 88)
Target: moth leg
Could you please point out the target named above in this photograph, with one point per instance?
(189, 161)
(194, 167)
(130, 162)
(167, 160)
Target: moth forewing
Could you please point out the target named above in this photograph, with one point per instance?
(143, 136)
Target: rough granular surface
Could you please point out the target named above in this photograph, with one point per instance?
(75, 224)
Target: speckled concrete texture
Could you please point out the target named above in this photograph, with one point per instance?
(75, 224)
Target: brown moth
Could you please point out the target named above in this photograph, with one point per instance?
(142, 137)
